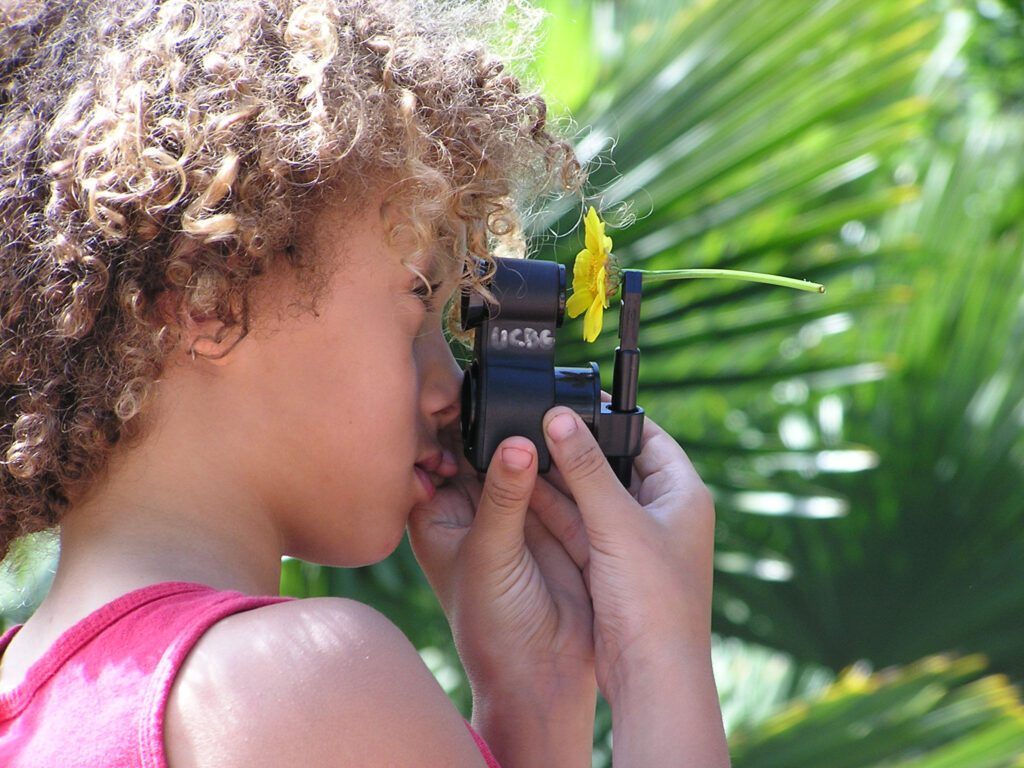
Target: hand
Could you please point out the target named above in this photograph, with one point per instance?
(648, 558)
(514, 596)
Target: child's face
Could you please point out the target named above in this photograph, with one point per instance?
(351, 401)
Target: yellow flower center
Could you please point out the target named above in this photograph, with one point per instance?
(597, 278)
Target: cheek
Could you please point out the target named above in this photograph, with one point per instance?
(364, 394)
(381, 405)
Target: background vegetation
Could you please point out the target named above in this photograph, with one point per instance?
(866, 447)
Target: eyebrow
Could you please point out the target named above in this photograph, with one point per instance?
(435, 268)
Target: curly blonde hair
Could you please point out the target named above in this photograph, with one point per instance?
(156, 158)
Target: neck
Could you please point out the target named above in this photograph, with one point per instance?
(170, 539)
(174, 507)
(108, 551)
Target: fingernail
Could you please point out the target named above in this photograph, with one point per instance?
(516, 458)
(561, 426)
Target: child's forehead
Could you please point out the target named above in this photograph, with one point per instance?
(342, 227)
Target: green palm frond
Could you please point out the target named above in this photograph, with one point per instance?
(941, 712)
(747, 136)
(927, 556)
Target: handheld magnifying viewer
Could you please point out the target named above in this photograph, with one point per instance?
(512, 380)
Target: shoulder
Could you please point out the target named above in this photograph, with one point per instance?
(322, 681)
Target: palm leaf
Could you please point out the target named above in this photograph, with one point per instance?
(928, 555)
(939, 712)
(25, 577)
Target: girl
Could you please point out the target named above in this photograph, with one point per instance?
(229, 230)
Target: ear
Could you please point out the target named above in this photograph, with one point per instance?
(212, 340)
(202, 336)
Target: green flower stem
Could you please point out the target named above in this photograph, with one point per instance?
(656, 275)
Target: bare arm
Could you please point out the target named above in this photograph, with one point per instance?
(668, 714)
(321, 682)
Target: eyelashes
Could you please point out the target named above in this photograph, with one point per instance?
(427, 293)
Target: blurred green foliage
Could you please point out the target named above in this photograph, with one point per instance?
(995, 55)
(940, 712)
(25, 576)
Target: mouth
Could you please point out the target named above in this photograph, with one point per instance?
(435, 470)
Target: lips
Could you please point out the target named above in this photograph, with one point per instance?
(434, 469)
(432, 462)
(424, 478)
(425, 468)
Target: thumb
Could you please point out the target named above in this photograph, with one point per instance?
(497, 532)
(598, 492)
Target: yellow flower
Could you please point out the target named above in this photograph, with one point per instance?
(590, 278)
(596, 276)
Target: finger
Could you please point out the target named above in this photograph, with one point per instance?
(663, 465)
(561, 517)
(554, 477)
(563, 577)
(598, 492)
(497, 530)
(657, 447)
(436, 531)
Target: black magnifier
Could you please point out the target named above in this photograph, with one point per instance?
(512, 380)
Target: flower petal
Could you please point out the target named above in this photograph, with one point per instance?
(594, 233)
(593, 320)
(581, 269)
(578, 302)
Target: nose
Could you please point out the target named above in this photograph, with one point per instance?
(441, 381)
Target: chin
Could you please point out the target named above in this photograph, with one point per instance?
(371, 557)
(387, 547)
(351, 554)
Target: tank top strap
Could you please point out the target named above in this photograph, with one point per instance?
(193, 614)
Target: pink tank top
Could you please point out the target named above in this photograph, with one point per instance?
(96, 699)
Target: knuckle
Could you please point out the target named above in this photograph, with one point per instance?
(586, 463)
(505, 495)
